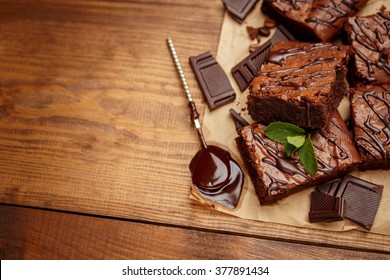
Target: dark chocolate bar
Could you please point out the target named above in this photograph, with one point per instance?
(238, 120)
(330, 188)
(325, 208)
(247, 69)
(239, 9)
(212, 80)
(362, 198)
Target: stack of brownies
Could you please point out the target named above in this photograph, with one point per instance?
(302, 83)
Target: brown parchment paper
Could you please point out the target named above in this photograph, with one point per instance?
(219, 129)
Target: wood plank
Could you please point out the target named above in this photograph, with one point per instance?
(93, 118)
(39, 234)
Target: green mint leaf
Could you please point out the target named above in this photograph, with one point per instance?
(307, 156)
(290, 149)
(279, 131)
(297, 140)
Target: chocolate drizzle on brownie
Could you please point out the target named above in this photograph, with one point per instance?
(334, 11)
(304, 78)
(275, 175)
(373, 130)
(312, 20)
(278, 159)
(370, 37)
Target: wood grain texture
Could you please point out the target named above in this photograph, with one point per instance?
(93, 118)
(24, 234)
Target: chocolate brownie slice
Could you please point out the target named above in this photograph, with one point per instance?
(300, 83)
(370, 106)
(370, 39)
(312, 20)
(275, 176)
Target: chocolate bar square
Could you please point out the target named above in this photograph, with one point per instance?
(212, 79)
(362, 198)
(325, 208)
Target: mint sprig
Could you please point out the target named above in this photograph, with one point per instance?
(294, 139)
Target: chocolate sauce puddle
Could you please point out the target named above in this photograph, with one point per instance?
(216, 176)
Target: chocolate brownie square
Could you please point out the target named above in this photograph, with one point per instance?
(369, 37)
(370, 106)
(312, 20)
(299, 83)
(275, 176)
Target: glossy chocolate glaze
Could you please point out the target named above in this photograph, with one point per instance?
(217, 176)
(280, 175)
(371, 115)
(370, 38)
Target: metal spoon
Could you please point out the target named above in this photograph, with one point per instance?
(216, 176)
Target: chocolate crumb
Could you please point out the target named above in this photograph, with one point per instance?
(382, 9)
(252, 32)
(254, 47)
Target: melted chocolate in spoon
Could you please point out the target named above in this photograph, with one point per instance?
(216, 176)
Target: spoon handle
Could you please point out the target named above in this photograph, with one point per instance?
(191, 104)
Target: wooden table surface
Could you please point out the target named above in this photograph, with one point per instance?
(95, 140)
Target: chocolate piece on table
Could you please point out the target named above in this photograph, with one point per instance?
(248, 68)
(370, 110)
(362, 199)
(325, 208)
(312, 20)
(299, 83)
(213, 81)
(239, 121)
(275, 176)
(252, 32)
(370, 39)
(329, 188)
(239, 9)
(263, 31)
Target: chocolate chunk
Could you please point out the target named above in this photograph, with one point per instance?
(238, 120)
(247, 69)
(325, 208)
(254, 47)
(239, 9)
(362, 198)
(329, 188)
(263, 31)
(213, 81)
